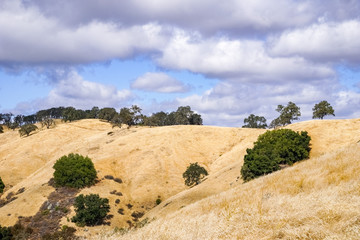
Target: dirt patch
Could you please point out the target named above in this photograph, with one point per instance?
(47, 219)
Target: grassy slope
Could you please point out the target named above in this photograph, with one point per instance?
(310, 198)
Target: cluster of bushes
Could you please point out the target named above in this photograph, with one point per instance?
(77, 171)
(273, 149)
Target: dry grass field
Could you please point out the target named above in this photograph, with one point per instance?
(315, 199)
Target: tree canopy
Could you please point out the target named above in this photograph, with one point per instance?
(287, 114)
(74, 171)
(282, 146)
(254, 122)
(321, 109)
(193, 174)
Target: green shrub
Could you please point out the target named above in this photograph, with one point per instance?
(74, 171)
(2, 186)
(273, 148)
(90, 210)
(158, 201)
(5, 233)
(193, 174)
(27, 129)
(1, 129)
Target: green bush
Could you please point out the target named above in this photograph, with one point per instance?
(2, 186)
(193, 174)
(5, 233)
(273, 148)
(74, 171)
(1, 129)
(27, 129)
(90, 210)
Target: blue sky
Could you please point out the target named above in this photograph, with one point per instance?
(226, 61)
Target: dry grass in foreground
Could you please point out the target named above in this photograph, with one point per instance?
(315, 199)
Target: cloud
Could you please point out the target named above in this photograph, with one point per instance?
(240, 60)
(206, 16)
(326, 42)
(76, 92)
(228, 103)
(158, 82)
(29, 38)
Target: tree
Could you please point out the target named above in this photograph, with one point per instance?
(255, 122)
(272, 149)
(27, 129)
(71, 114)
(321, 109)
(90, 210)
(74, 171)
(6, 118)
(2, 186)
(107, 114)
(48, 122)
(1, 129)
(287, 114)
(19, 120)
(193, 174)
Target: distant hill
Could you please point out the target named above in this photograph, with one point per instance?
(313, 199)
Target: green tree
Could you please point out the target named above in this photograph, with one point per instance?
(1, 129)
(27, 129)
(107, 114)
(48, 122)
(5, 233)
(90, 210)
(71, 114)
(74, 171)
(193, 174)
(287, 114)
(254, 122)
(282, 146)
(2, 186)
(321, 109)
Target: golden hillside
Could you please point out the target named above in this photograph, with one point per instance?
(313, 199)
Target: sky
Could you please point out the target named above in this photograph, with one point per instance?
(225, 59)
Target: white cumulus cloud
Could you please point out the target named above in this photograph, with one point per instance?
(158, 82)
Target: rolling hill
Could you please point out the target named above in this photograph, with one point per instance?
(314, 199)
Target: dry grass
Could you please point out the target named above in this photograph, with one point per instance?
(315, 199)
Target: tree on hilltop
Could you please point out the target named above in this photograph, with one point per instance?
(254, 122)
(321, 109)
(287, 114)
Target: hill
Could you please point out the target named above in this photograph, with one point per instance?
(150, 163)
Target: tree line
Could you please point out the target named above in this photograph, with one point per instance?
(287, 115)
(128, 116)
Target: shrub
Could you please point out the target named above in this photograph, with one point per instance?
(90, 210)
(27, 129)
(1, 129)
(273, 148)
(74, 171)
(2, 186)
(193, 174)
(158, 201)
(66, 232)
(5, 233)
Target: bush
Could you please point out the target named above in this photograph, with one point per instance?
(90, 210)
(1, 129)
(74, 171)
(158, 201)
(2, 186)
(5, 233)
(193, 174)
(27, 129)
(273, 148)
